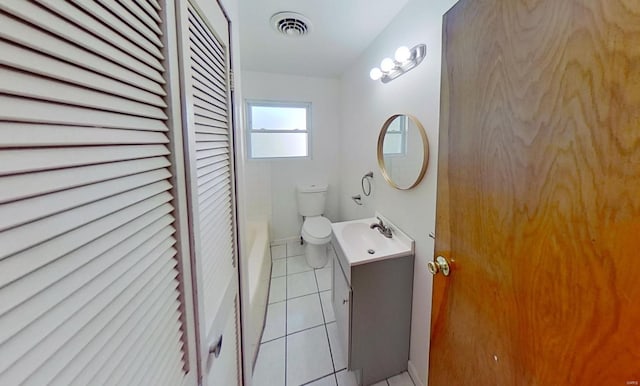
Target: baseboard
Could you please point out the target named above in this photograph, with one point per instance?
(413, 373)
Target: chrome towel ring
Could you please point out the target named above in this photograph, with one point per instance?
(367, 177)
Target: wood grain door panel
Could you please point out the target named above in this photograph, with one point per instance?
(539, 195)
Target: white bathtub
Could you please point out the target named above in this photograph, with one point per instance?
(258, 275)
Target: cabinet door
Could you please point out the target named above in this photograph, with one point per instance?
(223, 363)
(93, 273)
(208, 131)
(342, 306)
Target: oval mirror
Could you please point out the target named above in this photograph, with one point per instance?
(403, 151)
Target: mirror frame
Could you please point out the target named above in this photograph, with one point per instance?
(425, 158)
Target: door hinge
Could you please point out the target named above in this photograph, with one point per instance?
(231, 81)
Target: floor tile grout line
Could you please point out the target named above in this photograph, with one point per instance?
(295, 332)
(271, 286)
(317, 379)
(301, 296)
(326, 330)
(305, 329)
(324, 319)
(290, 257)
(278, 258)
(286, 299)
(295, 273)
(298, 273)
(279, 301)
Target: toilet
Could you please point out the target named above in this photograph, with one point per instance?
(316, 230)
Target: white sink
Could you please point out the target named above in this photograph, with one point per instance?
(361, 244)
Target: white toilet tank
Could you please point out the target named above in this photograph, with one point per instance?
(311, 199)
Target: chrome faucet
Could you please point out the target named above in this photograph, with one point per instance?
(385, 230)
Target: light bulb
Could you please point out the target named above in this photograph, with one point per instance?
(387, 64)
(375, 73)
(402, 54)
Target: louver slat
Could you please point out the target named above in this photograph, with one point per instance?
(27, 60)
(20, 186)
(88, 260)
(18, 109)
(30, 210)
(129, 350)
(55, 158)
(121, 12)
(204, 68)
(88, 269)
(42, 42)
(213, 123)
(204, 102)
(27, 85)
(211, 140)
(215, 84)
(210, 179)
(149, 9)
(142, 316)
(37, 15)
(106, 17)
(155, 4)
(35, 343)
(136, 11)
(104, 31)
(208, 39)
(18, 239)
(206, 171)
(167, 354)
(33, 135)
(16, 266)
(86, 341)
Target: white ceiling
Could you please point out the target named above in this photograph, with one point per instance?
(341, 31)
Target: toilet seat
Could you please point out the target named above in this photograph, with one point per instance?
(316, 230)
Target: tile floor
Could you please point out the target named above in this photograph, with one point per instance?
(299, 342)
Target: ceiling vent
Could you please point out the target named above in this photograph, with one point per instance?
(291, 24)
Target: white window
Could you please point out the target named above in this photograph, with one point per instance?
(395, 140)
(278, 129)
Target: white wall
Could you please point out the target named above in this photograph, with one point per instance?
(270, 184)
(365, 105)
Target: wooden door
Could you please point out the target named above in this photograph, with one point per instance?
(539, 195)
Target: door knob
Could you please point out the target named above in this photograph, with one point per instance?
(439, 265)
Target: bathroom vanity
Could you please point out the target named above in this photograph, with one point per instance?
(372, 298)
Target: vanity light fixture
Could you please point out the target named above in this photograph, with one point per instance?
(405, 59)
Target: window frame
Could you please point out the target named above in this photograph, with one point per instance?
(403, 138)
(249, 103)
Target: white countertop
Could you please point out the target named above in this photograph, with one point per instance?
(356, 238)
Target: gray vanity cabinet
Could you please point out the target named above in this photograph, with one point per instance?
(372, 304)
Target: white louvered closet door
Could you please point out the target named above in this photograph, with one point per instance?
(88, 267)
(209, 153)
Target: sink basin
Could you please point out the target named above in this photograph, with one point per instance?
(361, 244)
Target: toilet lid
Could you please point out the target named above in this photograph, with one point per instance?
(319, 227)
